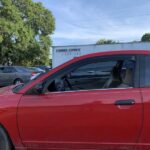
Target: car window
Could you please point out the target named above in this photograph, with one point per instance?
(145, 74)
(8, 70)
(39, 70)
(1, 70)
(94, 69)
(33, 69)
(21, 69)
(106, 74)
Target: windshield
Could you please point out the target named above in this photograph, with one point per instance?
(21, 69)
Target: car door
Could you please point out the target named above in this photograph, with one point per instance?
(91, 118)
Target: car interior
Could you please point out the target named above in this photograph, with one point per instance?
(100, 75)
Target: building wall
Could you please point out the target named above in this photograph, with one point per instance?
(61, 54)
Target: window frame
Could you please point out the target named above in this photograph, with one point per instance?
(94, 60)
(78, 64)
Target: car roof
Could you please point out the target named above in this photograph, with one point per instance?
(114, 52)
(6, 66)
(11, 66)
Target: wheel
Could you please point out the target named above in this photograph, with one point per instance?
(18, 81)
(5, 143)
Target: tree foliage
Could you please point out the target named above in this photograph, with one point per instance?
(145, 37)
(105, 41)
(25, 29)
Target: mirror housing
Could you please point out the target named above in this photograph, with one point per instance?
(39, 88)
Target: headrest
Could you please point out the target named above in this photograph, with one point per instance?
(128, 77)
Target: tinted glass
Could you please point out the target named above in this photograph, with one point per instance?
(21, 69)
(7, 69)
(145, 76)
(117, 73)
(38, 70)
(91, 76)
(94, 69)
(1, 69)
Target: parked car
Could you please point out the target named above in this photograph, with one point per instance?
(97, 101)
(13, 75)
(35, 71)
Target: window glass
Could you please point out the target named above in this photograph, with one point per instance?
(8, 70)
(94, 69)
(21, 69)
(1, 69)
(146, 74)
(117, 73)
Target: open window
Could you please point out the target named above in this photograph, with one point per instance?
(98, 73)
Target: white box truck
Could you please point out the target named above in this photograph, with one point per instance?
(62, 54)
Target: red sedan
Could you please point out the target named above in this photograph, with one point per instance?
(100, 101)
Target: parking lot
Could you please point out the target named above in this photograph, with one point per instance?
(74, 75)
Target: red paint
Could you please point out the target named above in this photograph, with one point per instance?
(80, 119)
(77, 120)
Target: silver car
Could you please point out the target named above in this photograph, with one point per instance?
(10, 75)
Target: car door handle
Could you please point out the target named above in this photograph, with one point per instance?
(125, 102)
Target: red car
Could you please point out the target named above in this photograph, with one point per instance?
(100, 101)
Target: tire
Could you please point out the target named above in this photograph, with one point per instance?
(17, 81)
(5, 143)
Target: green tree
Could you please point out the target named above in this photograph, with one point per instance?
(145, 37)
(105, 41)
(25, 29)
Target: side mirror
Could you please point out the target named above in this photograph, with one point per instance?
(39, 88)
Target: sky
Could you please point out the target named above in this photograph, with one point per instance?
(86, 21)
